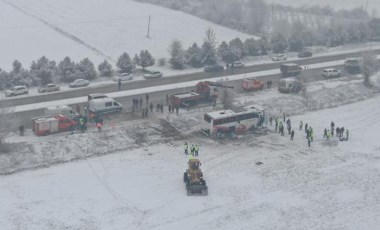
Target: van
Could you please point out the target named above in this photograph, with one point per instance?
(61, 109)
(289, 85)
(104, 106)
(330, 73)
(96, 96)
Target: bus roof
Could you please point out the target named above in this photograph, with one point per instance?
(235, 111)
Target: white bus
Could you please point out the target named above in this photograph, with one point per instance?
(231, 121)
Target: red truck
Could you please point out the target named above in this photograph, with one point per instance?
(52, 124)
(252, 84)
(203, 92)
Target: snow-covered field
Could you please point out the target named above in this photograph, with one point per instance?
(331, 185)
(97, 29)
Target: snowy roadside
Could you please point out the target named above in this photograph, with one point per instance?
(332, 185)
(77, 100)
(121, 134)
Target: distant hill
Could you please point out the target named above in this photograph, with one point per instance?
(96, 29)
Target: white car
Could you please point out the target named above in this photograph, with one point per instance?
(16, 90)
(238, 64)
(123, 77)
(48, 88)
(279, 57)
(79, 83)
(331, 72)
(154, 74)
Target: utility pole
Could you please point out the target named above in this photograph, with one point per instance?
(148, 28)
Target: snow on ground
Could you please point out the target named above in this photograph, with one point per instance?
(331, 185)
(57, 28)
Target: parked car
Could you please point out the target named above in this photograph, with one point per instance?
(330, 73)
(154, 74)
(238, 64)
(123, 77)
(79, 83)
(305, 53)
(214, 68)
(279, 57)
(16, 90)
(48, 88)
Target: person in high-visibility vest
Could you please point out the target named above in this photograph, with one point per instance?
(186, 148)
(192, 150)
(196, 150)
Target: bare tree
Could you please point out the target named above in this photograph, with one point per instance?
(7, 122)
(369, 65)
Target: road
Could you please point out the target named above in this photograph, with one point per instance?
(174, 79)
(24, 117)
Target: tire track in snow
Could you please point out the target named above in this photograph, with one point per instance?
(62, 32)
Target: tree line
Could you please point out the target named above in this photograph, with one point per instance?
(44, 70)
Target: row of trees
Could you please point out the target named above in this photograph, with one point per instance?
(297, 35)
(208, 54)
(44, 71)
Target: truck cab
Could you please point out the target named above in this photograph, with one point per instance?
(290, 70)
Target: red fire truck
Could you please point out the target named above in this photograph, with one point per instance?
(52, 124)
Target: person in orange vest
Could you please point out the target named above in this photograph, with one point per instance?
(99, 126)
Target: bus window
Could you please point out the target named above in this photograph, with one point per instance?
(207, 118)
(232, 119)
(216, 122)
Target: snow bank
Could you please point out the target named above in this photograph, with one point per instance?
(332, 185)
(54, 149)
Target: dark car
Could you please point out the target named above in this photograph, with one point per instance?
(305, 53)
(214, 68)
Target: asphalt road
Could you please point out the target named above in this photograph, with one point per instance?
(24, 117)
(175, 79)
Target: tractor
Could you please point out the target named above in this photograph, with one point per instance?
(193, 177)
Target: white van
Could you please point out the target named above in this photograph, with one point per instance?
(104, 105)
(289, 85)
(61, 109)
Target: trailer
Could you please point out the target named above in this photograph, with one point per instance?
(52, 124)
(203, 93)
(186, 99)
(290, 70)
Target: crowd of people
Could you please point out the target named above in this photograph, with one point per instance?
(138, 106)
(341, 132)
(194, 150)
